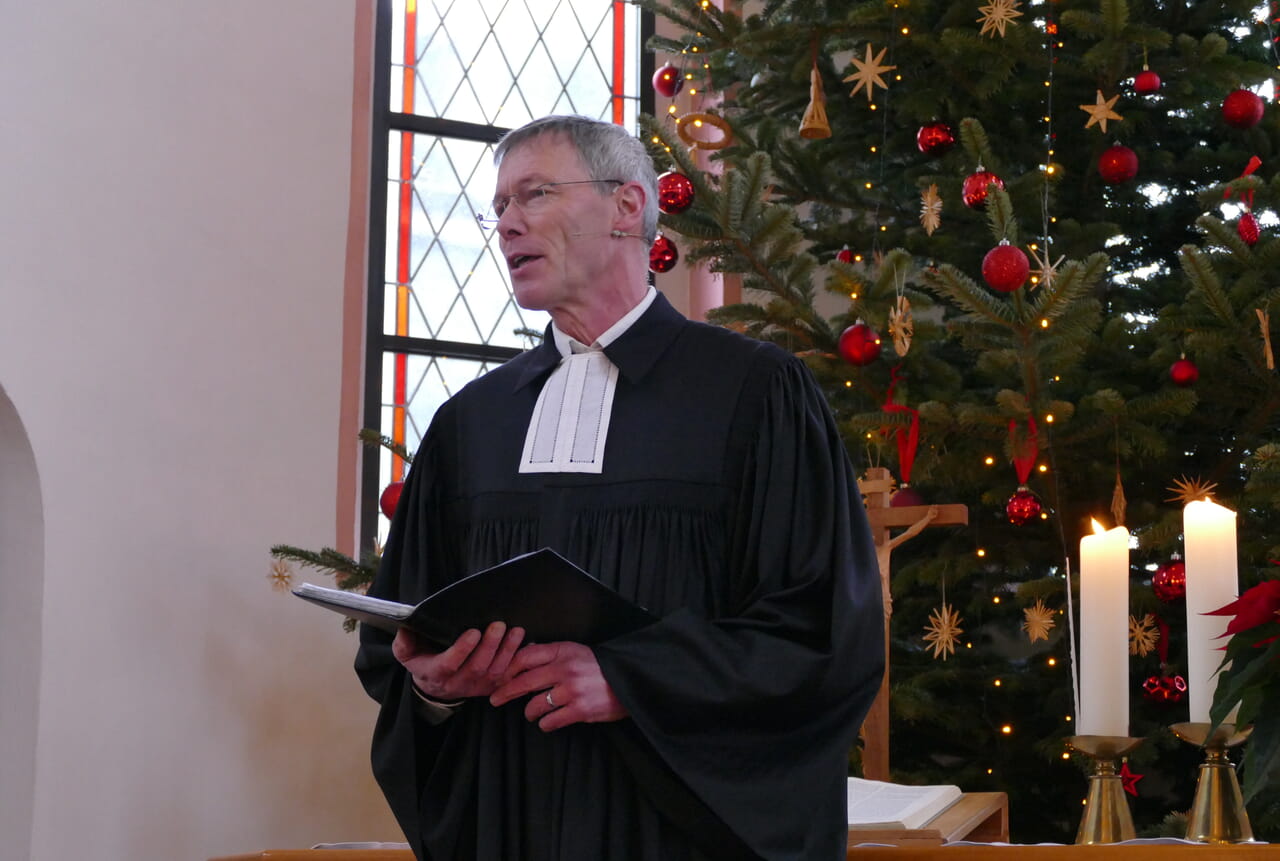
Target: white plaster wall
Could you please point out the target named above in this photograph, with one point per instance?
(172, 239)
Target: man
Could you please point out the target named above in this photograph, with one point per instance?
(695, 471)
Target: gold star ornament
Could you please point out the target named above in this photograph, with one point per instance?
(1143, 635)
(930, 209)
(997, 15)
(1186, 490)
(1101, 111)
(942, 631)
(1039, 621)
(870, 73)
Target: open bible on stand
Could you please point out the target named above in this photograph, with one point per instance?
(542, 592)
(874, 804)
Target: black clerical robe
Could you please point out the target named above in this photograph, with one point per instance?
(728, 507)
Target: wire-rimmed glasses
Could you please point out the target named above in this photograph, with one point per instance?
(529, 199)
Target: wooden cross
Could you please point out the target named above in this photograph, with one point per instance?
(876, 487)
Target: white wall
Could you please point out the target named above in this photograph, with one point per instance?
(172, 246)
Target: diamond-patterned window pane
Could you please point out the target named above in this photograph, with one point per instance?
(505, 62)
(456, 285)
(429, 382)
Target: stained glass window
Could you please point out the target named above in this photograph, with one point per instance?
(454, 76)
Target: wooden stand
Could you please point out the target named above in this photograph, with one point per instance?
(979, 817)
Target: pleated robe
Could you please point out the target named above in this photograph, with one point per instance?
(728, 507)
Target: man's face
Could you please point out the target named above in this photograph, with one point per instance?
(556, 246)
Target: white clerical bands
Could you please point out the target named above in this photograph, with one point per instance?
(550, 701)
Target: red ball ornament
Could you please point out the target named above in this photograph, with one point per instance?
(1184, 372)
(1170, 580)
(675, 192)
(844, 255)
(905, 497)
(859, 344)
(663, 255)
(1146, 83)
(935, 139)
(668, 81)
(974, 190)
(1118, 164)
(1022, 507)
(390, 498)
(1242, 109)
(1165, 690)
(1006, 267)
(1247, 227)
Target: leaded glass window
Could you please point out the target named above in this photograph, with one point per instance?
(455, 75)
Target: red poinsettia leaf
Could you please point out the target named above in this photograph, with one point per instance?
(1256, 606)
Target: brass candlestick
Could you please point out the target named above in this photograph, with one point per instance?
(1106, 811)
(1217, 814)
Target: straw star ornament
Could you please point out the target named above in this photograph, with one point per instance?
(942, 631)
(870, 73)
(1039, 621)
(1101, 111)
(997, 15)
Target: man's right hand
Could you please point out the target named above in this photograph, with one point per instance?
(472, 667)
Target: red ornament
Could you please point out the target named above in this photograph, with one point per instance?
(1165, 690)
(668, 81)
(1170, 580)
(1184, 372)
(675, 192)
(974, 190)
(1242, 109)
(905, 496)
(663, 255)
(935, 138)
(1023, 507)
(859, 344)
(1118, 164)
(844, 255)
(1146, 83)
(1247, 227)
(390, 498)
(1006, 267)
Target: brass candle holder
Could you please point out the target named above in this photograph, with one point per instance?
(1106, 811)
(1217, 814)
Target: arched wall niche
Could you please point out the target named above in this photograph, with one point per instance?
(21, 599)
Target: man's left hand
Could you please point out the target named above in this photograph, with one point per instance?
(567, 684)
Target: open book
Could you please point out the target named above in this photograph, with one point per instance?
(542, 592)
(875, 804)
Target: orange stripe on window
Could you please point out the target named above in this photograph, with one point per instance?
(619, 61)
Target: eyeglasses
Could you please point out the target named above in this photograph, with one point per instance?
(529, 200)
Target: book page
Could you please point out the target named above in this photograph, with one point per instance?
(873, 803)
(335, 598)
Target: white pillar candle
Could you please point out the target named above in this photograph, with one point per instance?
(1104, 632)
(1209, 531)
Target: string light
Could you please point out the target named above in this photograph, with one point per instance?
(995, 600)
(1007, 729)
(996, 683)
(989, 461)
(981, 552)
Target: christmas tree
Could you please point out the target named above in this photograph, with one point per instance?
(1028, 249)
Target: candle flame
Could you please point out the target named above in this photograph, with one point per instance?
(1098, 528)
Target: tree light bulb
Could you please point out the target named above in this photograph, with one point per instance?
(989, 460)
(981, 552)
(1006, 729)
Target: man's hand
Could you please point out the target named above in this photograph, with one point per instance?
(568, 684)
(474, 666)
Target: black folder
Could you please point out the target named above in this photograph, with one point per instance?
(542, 592)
